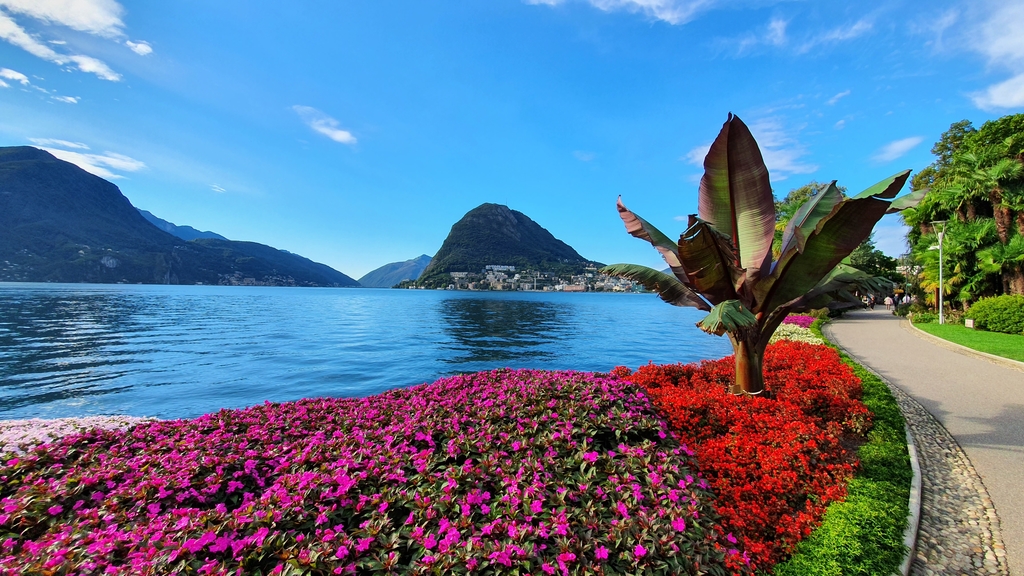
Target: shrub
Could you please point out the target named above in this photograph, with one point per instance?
(912, 308)
(924, 318)
(504, 471)
(775, 464)
(999, 314)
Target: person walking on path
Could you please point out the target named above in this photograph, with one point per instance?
(888, 302)
(981, 404)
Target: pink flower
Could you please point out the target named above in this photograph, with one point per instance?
(590, 457)
(639, 551)
(54, 510)
(679, 525)
(601, 553)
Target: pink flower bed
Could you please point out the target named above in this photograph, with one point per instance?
(799, 320)
(540, 472)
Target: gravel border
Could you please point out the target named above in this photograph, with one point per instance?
(959, 529)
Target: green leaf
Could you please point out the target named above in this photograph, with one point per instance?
(668, 288)
(729, 316)
(887, 188)
(835, 236)
(710, 261)
(805, 220)
(907, 201)
(644, 230)
(736, 196)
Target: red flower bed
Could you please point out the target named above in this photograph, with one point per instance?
(774, 463)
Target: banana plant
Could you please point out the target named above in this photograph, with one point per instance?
(723, 262)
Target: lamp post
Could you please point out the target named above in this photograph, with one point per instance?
(940, 231)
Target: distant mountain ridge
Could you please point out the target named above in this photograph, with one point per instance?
(391, 274)
(183, 232)
(58, 223)
(496, 234)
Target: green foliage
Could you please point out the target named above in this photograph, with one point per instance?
(924, 318)
(1000, 314)
(913, 308)
(864, 534)
(874, 262)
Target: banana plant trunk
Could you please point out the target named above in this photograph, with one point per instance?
(749, 365)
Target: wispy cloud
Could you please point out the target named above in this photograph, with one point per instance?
(779, 149)
(102, 165)
(324, 124)
(832, 101)
(840, 125)
(96, 17)
(217, 189)
(58, 143)
(140, 48)
(14, 75)
(839, 34)
(671, 11)
(772, 34)
(998, 38)
(896, 149)
(66, 99)
(584, 156)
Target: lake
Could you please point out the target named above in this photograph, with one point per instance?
(182, 351)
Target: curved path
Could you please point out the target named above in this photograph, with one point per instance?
(981, 405)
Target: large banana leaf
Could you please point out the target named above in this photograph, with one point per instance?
(736, 196)
(907, 201)
(710, 262)
(644, 230)
(836, 286)
(834, 237)
(729, 316)
(668, 288)
(805, 220)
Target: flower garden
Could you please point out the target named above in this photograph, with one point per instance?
(653, 471)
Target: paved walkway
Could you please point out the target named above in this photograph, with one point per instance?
(981, 405)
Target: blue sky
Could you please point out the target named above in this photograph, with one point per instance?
(357, 132)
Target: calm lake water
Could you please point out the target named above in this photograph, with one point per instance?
(182, 351)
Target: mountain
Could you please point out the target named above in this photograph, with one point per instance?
(390, 274)
(58, 223)
(495, 234)
(183, 232)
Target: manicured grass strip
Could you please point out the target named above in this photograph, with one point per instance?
(1006, 345)
(864, 534)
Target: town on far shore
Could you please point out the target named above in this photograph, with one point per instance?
(502, 277)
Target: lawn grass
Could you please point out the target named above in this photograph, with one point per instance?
(1006, 345)
(864, 533)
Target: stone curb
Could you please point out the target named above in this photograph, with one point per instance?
(914, 503)
(909, 326)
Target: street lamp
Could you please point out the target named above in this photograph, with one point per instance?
(941, 231)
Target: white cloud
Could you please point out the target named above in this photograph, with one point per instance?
(896, 149)
(584, 156)
(840, 125)
(832, 101)
(773, 34)
(780, 151)
(217, 189)
(97, 67)
(1006, 94)
(4, 84)
(671, 11)
(324, 124)
(140, 48)
(99, 164)
(14, 75)
(98, 17)
(840, 34)
(999, 39)
(776, 35)
(66, 99)
(57, 142)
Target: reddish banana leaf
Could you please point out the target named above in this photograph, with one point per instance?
(644, 230)
(832, 240)
(736, 196)
(710, 262)
(729, 316)
(806, 219)
(668, 288)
